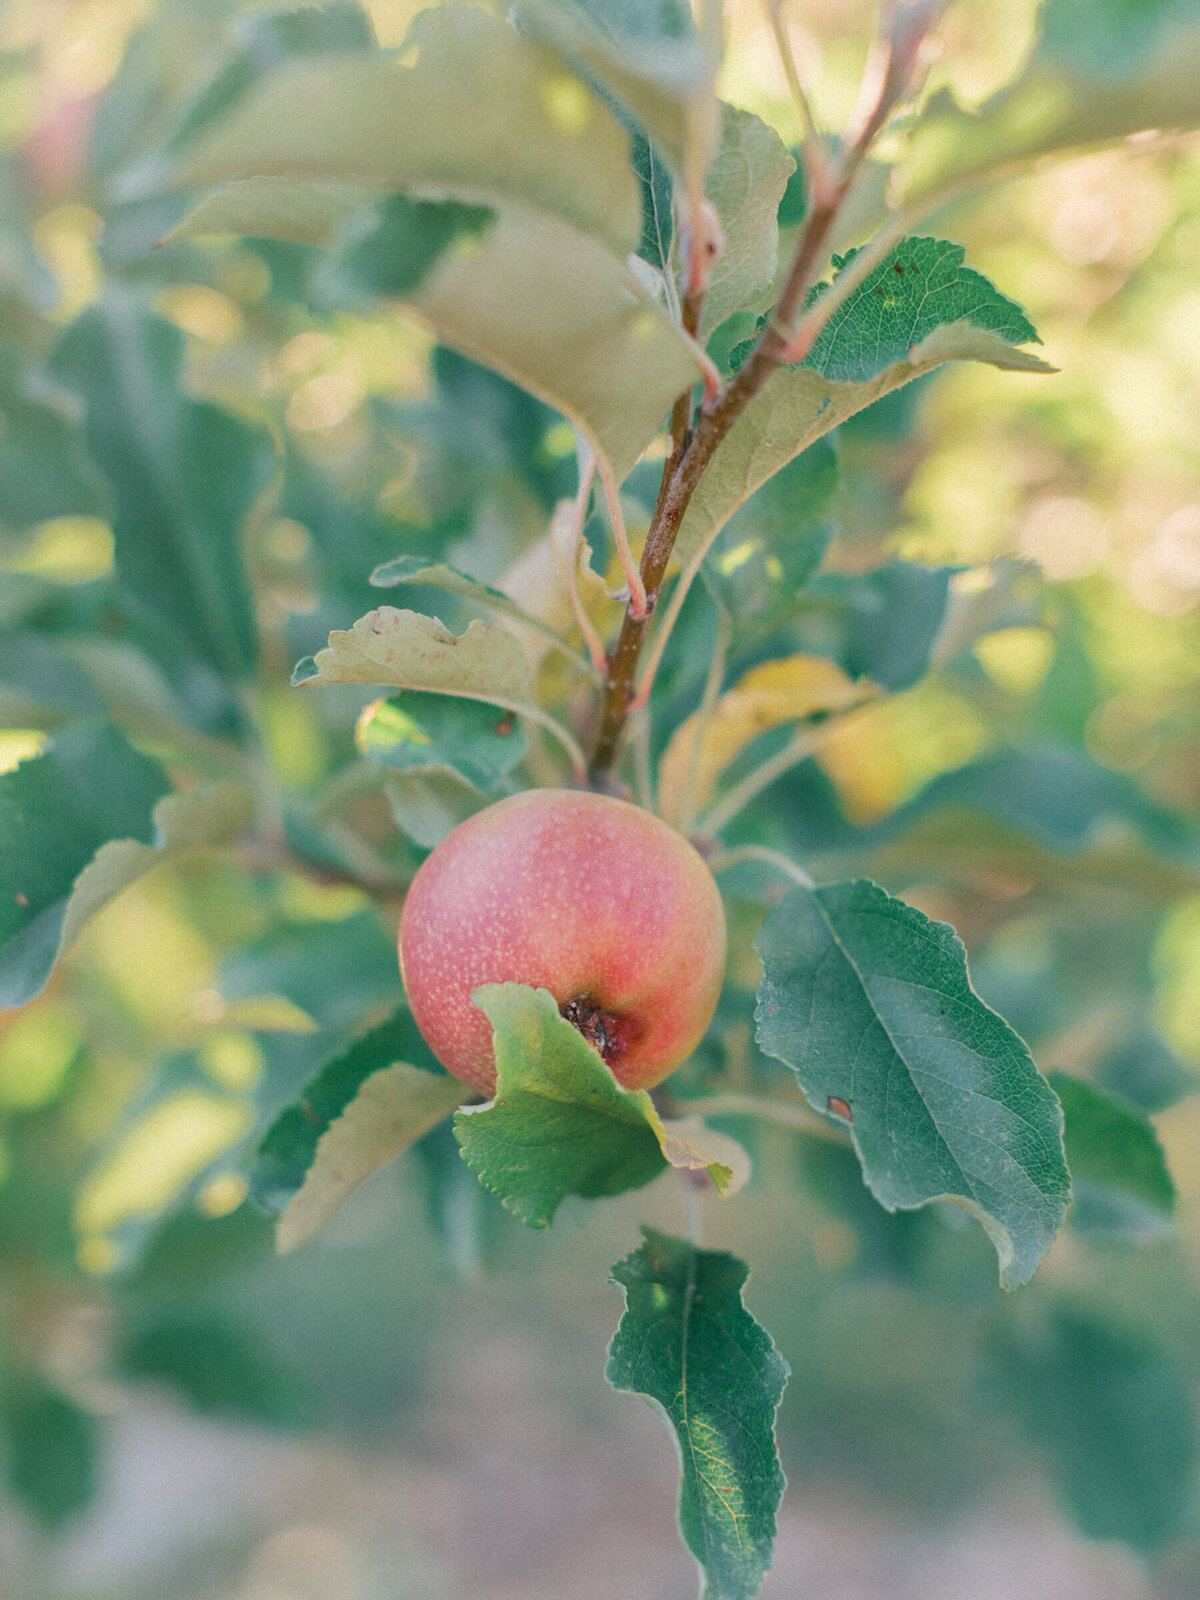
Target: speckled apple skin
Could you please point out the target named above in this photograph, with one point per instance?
(583, 895)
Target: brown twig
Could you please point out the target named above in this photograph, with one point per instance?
(695, 447)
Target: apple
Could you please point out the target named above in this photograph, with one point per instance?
(589, 897)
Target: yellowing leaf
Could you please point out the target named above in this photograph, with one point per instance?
(687, 1142)
(412, 651)
(409, 650)
(773, 693)
(393, 1109)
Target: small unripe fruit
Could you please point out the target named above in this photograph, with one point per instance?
(591, 898)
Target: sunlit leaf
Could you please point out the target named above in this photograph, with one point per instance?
(870, 1004)
(780, 691)
(419, 731)
(471, 111)
(550, 309)
(436, 575)
(649, 56)
(689, 1345)
(413, 651)
(918, 289)
(275, 208)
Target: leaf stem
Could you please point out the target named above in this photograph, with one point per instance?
(760, 852)
(814, 145)
(801, 745)
(575, 515)
(799, 1118)
(704, 712)
(638, 606)
(643, 774)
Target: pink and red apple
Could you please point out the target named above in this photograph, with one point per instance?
(591, 898)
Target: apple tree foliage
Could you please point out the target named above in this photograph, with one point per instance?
(651, 326)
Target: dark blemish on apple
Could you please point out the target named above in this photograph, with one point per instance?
(897, 268)
(601, 1029)
(879, 295)
(840, 1107)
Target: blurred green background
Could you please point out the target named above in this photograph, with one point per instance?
(413, 1405)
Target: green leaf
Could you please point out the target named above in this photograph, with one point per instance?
(917, 288)
(649, 56)
(471, 111)
(658, 203)
(869, 1002)
(1114, 1415)
(797, 406)
(436, 575)
(413, 651)
(391, 250)
(1119, 1177)
(770, 549)
(220, 1369)
(689, 1345)
(884, 624)
(53, 1447)
(426, 730)
(427, 803)
(289, 1146)
(1073, 95)
(1057, 795)
(392, 1109)
(185, 476)
(745, 183)
(560, 1123)
(87, 787)
(44, 470)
